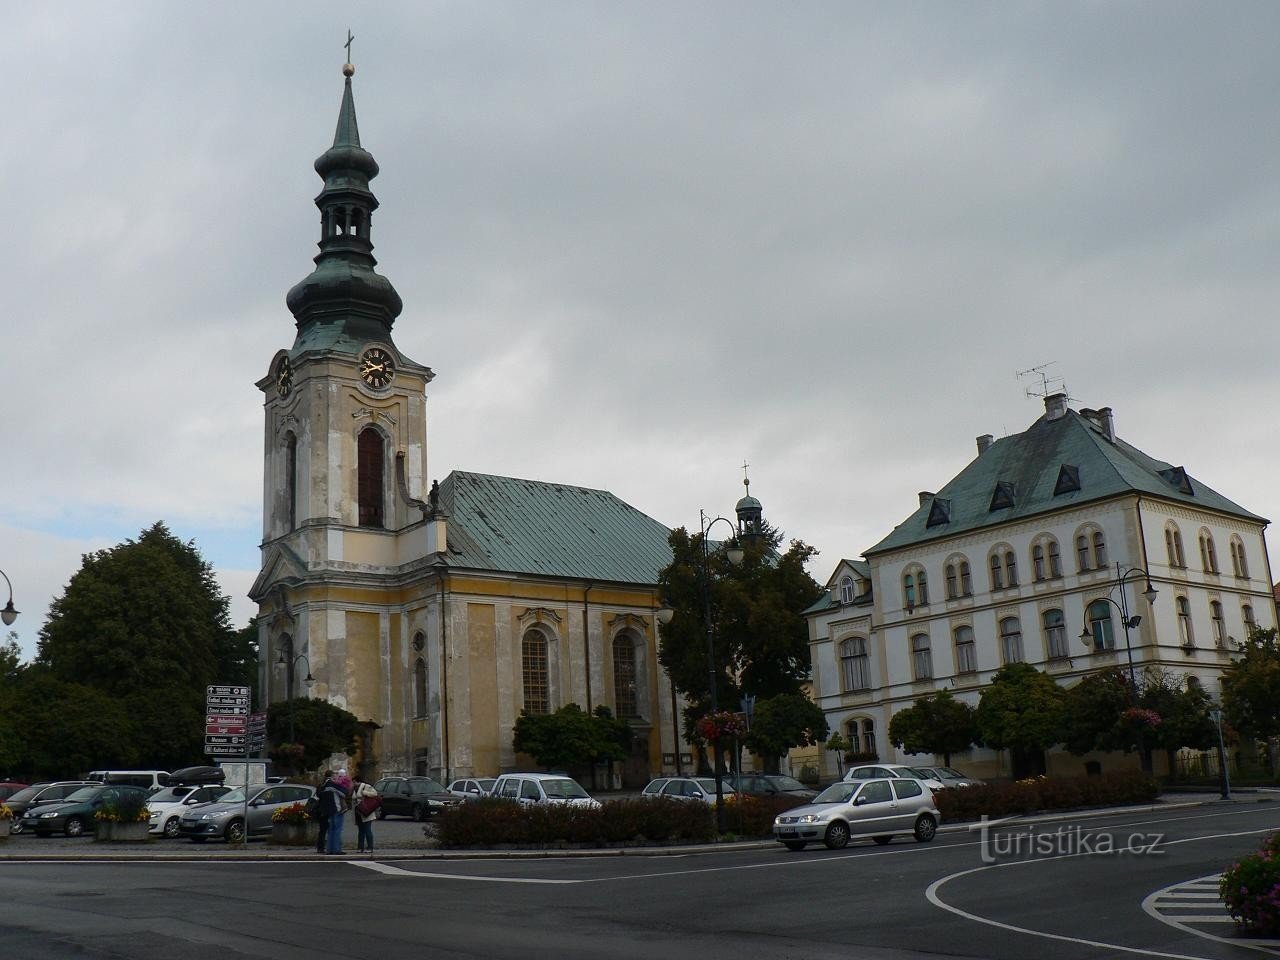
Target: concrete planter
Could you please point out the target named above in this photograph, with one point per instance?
(295, 834)
(131, 832)
(6, 827)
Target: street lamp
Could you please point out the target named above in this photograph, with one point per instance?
(288, 660)
(735, 555)
(8, 614)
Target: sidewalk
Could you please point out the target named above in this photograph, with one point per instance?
(21, 848)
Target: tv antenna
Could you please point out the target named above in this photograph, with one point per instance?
(1048, 384)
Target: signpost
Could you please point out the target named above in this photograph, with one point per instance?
(226, 729)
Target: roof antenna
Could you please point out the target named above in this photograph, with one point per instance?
(1048, 384)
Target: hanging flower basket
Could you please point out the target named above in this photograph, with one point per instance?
(721, 725)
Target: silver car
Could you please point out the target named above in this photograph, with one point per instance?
(880, 809)
(225, 817)
(951, 777)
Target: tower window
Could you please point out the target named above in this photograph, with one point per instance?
(420, 688)
(370, 457)
(291, 481)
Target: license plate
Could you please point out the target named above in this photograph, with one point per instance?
(786, 833)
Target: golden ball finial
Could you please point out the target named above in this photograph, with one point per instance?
(348, 69)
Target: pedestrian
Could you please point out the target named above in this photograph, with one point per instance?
(334, 800)
(322, 813)
(365, 802)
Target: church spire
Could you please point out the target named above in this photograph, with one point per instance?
(344, 303)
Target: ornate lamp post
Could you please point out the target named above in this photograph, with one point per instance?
(8, 614)
(288, 660)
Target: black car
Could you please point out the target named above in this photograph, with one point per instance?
(38, 793)
(769, 785)
(74, 816)
(419, 798)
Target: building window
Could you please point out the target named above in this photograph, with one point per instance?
(1173, 546)
(291, 481)
(1055, 634)
(846, 590)
(369, 456)
(1250, 625)
(953, 590)
(1185, 631)
(966, 656)
(1239, 562)
(624, 676)
(909, 591)
(966, 580)
(922, 588)
(997, 572)
(1099, 550)
(1037, 563)
(1055, 560)
(855, 664)
(420, 688)
(921, 657)
(1099, 615)
(1208, 555)
(1011, 640)
(1010, 568)
(862, 736)
(1219, 623)
(533, 661)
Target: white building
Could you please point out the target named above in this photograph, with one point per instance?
(1019, 555)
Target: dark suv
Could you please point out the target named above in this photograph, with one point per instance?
(417, 797)
(74, 816)
(38, 793)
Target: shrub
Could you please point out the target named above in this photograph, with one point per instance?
(294, 813)
(128, 807)
(752, 816)
(1044, 793)
(5, 812)
(1251, 890)
(492, 822)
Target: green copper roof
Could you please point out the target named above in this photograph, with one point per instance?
(1026, 469)
(549, 529)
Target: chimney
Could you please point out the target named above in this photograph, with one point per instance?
(984, 443)
(925, 497)
(1108, 423)
(1055, 406)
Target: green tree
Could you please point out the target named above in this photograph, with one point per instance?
(572, 738)
(143, 623)
(838, 745)
(782, 722)
(1251, 687)
(1094, 714)
(935, 724)
(69, 729)
(1183, 707)
(320, 730)
(1021, 711)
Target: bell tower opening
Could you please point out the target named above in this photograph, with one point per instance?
(370, 456)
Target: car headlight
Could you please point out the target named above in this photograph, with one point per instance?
(207, 816)
(49, 816)
(813, 818)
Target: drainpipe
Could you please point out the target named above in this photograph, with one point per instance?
(441, 572)
(586, 643)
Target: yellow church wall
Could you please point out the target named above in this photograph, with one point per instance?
(364, 665)
(482, 637)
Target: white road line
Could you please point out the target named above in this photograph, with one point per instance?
(389, 870)
(1154, 906)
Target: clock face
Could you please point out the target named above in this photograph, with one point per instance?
(377, 367)
(284, 377)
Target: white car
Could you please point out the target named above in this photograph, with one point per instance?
(530, 788)
(472, 789)
(702, 789)
(951, 777)
(889, 771)
(168, 803)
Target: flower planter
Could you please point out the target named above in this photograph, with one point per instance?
(294, 834)
(111, 830)
(6, 827)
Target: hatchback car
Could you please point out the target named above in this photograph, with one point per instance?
(74, 816)
(530, 788)
(419, 798)
(769, 785)
(702, 789)
(951, 777)
(472, 789)
(38, 793)
(169, 803)
(880, 809)
(886, 771)
(224, 818)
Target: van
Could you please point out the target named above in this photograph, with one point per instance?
(149, 780)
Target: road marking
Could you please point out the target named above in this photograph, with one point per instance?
(1158, 903)
(389, 870)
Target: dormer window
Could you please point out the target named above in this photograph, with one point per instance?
(846, 590)
(1177, 478)
(1002, 498)
(939, 512)
(1068, 480)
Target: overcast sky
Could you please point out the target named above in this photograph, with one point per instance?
(638, 243)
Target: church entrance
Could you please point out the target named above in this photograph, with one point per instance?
(635, 769)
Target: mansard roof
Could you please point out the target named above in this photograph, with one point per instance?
(1058, 462)
(549, 529)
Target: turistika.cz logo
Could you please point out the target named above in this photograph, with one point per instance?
(1010, 839)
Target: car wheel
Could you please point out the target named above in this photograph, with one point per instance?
(171, 827)
(926, 828)
(793, 844)
(837, 837)
(418, 813)
(75, 827)
(380, 813)
(882, 840)
(235, 831)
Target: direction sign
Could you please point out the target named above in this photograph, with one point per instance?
(221, 729)
(221, 711)
(212, 740)
(221, 690)
(258, 721)
(228, 702)
(222, 750)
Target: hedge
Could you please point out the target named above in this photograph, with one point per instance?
(1044, 793)
(1251, 890)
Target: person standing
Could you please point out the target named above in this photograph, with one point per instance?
(365, 803)
(322, 813)
(333, 800)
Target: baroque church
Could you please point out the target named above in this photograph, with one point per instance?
(435, 612)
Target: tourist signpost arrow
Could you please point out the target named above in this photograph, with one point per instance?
(226, 727)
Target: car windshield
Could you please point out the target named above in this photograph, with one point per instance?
(171, 794)
(235, 796)
(564, 789)
(84, 793)
(950, 773)
(427, 786)
(27, 793)
(706, 783)
(787, 783)
(836, 793)
(486, 785)
(916, 772)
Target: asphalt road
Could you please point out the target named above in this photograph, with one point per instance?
(1055, 893)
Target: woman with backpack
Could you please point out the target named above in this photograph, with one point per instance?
(365, 802)
(333, 806)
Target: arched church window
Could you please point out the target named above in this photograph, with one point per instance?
(420, 688)
(370, 457)
(624, 675)
(533, 660)
(291, 480)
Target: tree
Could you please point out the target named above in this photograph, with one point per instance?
(571, 737)
(838, 745)
(782, 722)
(69, 729)
(1183, 707)
(320, 730)
(935, 724)
(143, 624)
(1094, 714)
(1021, 711)
(1251, 687)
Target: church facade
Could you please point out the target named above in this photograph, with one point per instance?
(434, 612)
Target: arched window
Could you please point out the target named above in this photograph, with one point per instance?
(291, 479)
(1099, 550)
(861, 733)
(921, 657)
(1011, 640)
(370, 457)
(1239, 562)
(1099, 615)
(624, 675)
(1010, 568)
(997, 572)
(1055, 634)
(1219, 623)
(855, 664)
(966, 579)
(922, 588)
(1082, 553)
(1037, 563)
(533, 661)
(1173, 545)
(909, 591)
(420, 688)
(953, 588)
(846, 590)
(1186, 633)
(1055, 560)
(966, 656)
(1208, 555)
(1246, 615)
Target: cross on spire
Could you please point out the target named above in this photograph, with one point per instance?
(746, 480)
(350, 37)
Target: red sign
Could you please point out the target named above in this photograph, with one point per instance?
(236, 729)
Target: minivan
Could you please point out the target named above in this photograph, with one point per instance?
(149, 780)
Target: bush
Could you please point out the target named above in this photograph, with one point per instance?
(752, 816)
(129, 807)
(1251, 890)
(1044, 793)
(491, 822)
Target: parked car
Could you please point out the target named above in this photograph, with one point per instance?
(684, 788)
(654, 787)
(8, 788)
(472, 789)
(38, 793)
(151, 780)
(225, 817)
(877, 808)
(768, 785)
(419, 798)
(951, 777)
(886, 771)
(192, 776)
(169, 803)
(528, 788)
(74, 816)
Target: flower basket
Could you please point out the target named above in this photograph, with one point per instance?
(6, 827)
(130, 831)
